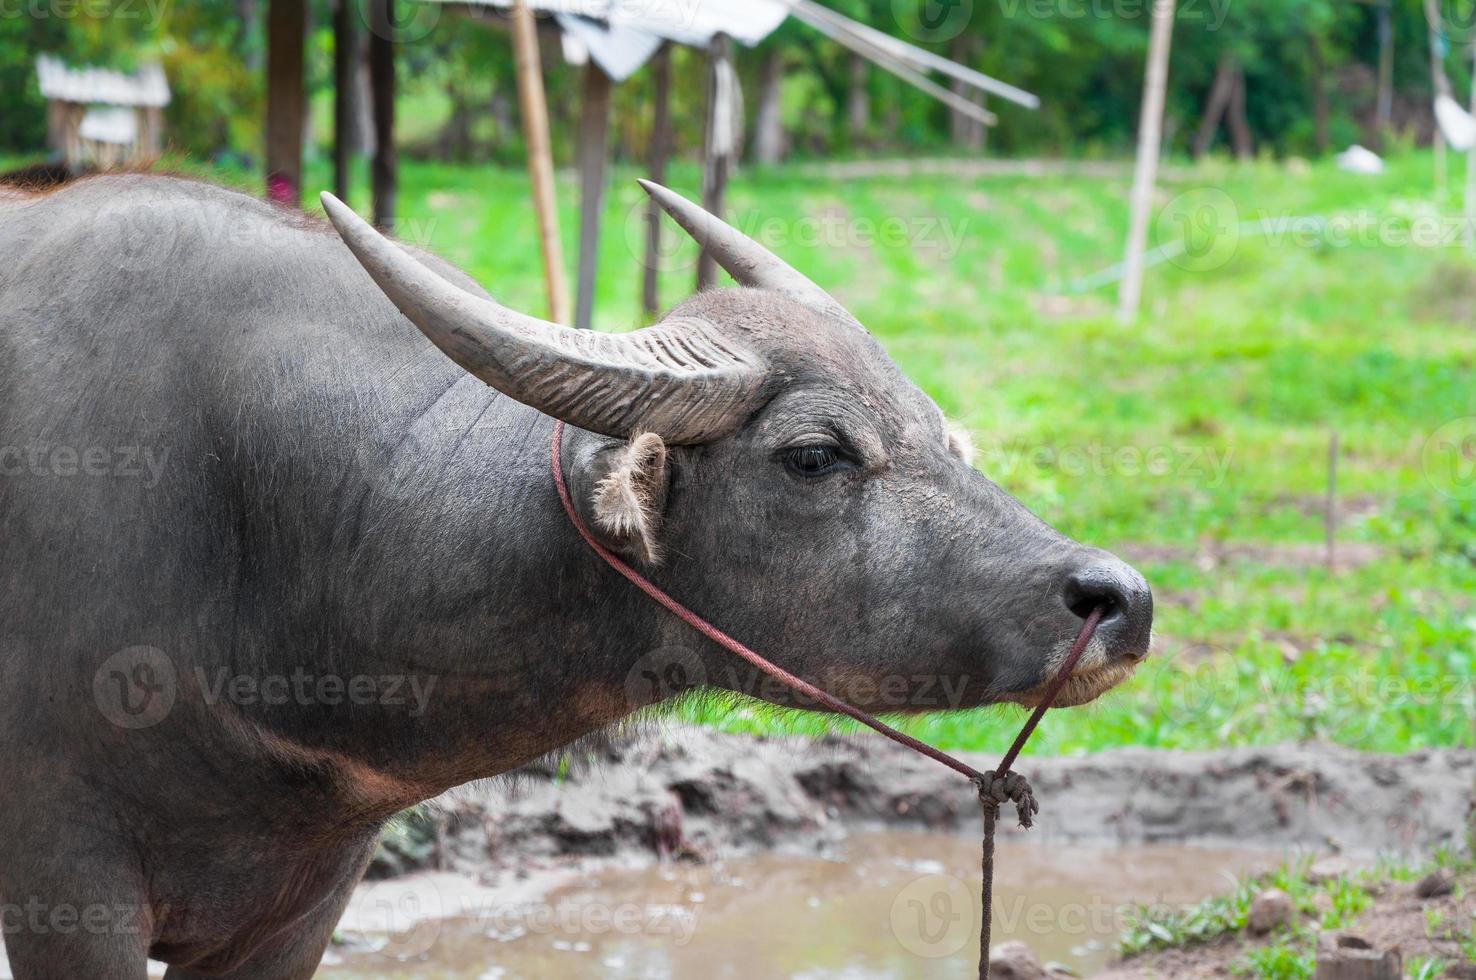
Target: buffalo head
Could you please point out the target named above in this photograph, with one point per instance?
(760, 455)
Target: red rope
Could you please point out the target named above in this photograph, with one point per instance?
(1008, 785)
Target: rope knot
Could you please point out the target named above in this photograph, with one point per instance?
(996, 788)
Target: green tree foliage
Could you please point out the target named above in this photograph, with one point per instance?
(1084, 58)
(207, 50)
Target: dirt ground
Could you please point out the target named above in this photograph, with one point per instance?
(675, 790)
(693, 795)
(1398, 919)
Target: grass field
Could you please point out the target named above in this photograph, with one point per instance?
(1195, 441)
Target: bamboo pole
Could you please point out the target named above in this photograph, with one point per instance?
(540, 157)
(1145, 173)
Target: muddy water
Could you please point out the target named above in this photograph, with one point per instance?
(883, 904)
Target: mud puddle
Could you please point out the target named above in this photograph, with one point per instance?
(877, 904)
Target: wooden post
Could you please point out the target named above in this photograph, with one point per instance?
(656, 170)
(1384, 108)
(1220, 93)
(1330, 509)
(1471, 168)
(768, 124)
(858, 99)
(1441, 86)
(345, 63)
(540, 158)
(717, 148)
(1145, 173)
(286, 104)
(383, 174)
(1240, 134)
(594, 135)
(1320, 111)
(1437, 146)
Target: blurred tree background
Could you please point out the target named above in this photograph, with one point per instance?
(1280, 77)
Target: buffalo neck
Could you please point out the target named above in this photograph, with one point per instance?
(458, 627)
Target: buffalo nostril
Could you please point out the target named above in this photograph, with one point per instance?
(1086, 591)
(1125, 601)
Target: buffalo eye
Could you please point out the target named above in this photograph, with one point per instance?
(814, 461)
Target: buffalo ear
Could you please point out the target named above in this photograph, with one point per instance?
(630, 499)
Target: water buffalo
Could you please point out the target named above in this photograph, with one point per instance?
(278, 565)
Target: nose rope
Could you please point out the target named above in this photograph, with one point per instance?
(995, 786)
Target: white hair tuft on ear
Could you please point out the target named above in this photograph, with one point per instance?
(629, 500)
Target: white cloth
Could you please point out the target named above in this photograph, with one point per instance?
(1360, 160)
(1455, 123)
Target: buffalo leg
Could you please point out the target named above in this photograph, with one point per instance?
(78, 925)
(293, 953)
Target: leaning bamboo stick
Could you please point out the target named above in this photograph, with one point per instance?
(540, 157)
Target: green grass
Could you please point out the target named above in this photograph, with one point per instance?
(1155, 927)
(1234, 377)
(1289, 952)
(1240, 367)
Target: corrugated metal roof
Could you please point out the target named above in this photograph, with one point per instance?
(619, 51)
(621, 34)
(684, 21)
(99, 86)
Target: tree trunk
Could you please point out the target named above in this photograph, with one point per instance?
(1384, 110)
(966, 132)
(501, 109)
(363, 98)
(247, 10)
(1215, 106)
(345, 94)
(1470, 198)
(1240, 134)
(456, 135)
(858, 104)
(286, 101)
(384, 170)
(660, 148)
(717, 150)
(768, 123)
(1319, 95)
(594, 151)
